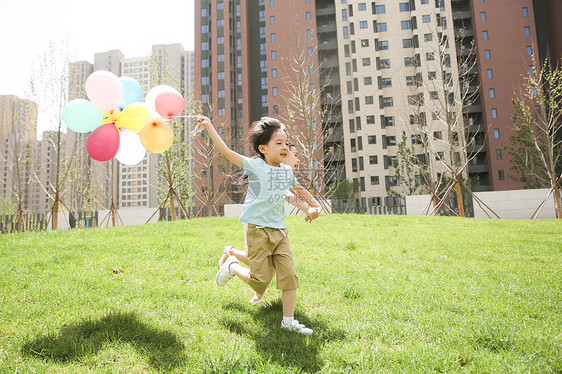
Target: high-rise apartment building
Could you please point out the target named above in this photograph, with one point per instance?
(18, 148)
(391, 66)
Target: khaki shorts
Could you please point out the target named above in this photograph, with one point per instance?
(269, 249)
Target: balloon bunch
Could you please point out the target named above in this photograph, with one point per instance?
(120, 124)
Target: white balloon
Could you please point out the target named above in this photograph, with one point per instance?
(152, 94)
(131, 151)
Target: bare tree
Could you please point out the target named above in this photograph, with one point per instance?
(445, 146)
(174, 165)
(536, 149)
(49, 89)
(212, 169)
(310, 108)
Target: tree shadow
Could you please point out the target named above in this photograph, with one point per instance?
(88, 337)
(299, 352)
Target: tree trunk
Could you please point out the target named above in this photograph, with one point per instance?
(557, 199)
(459, 196)
(172, 205)
(56, 213)
(434, 201)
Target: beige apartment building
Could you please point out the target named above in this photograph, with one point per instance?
(393, 69)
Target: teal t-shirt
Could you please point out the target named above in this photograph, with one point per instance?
(264, 204)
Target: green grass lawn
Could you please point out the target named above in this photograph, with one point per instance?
(384, 294)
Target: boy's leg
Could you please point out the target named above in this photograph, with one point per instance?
(242, 256)
(289, 298)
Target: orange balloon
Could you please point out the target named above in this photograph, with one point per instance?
(156, 136)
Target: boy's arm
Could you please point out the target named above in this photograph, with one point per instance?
(306, 196)
(230, 155)
(296, 202)
(313, 208)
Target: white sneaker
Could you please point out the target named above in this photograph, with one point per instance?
(225, 274)
(297, 327)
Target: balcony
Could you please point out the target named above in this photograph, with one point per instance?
(329, 80)
(330, 63)
(326, 11)
(474, 108)
(462, 14)
(327, 27)
(478, 168)
(328, 45)
(471, 129)
(475, 148)
(466, 32)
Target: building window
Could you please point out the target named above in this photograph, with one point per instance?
(380, 26)
(494, 113)
(308, 17)
(344, 15)
(273, 73)
(383, 64)
(272, 20)
(529, 50)
(525, 11)
(404, 7)
(272, 37)
(489, 73)
(368, 100)
(362, 6)
(501, 175)
(386, 102)
(426, 18)
(498, 154)
(485, 35)
(363, 24)
(372, 139)
(496, 133)
(425, 2)
(487, 54)
(527, 30)
(274, 91)
(373, 160)
(382, 45)
(273, 55)
(379, 9)
(482, 16)
(374, 180)
(406, 25)
(387, 121)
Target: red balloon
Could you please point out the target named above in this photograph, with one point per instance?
(169, 104)
(103, 142)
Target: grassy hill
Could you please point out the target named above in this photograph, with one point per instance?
(390, 294)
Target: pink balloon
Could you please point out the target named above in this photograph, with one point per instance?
(104, 89)
(169, 104)
(103, 142)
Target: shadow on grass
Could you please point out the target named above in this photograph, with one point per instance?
(164, 349)
(289, 349)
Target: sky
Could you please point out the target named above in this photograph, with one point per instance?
(28, 26)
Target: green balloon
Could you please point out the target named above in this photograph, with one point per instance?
(82, 116)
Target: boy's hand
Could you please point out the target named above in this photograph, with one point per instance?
(203, 121)
(312, 214)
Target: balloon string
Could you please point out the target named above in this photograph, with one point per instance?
(136, 119)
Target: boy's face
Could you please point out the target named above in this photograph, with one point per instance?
(292, 160)
(277, 149)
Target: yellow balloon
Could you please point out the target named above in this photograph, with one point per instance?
(156, 136)
(133, 117)
(110, 117)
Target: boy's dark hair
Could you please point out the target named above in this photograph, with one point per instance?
(262, 131)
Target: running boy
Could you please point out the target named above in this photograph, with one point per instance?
(293, 161)
(264, 212)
